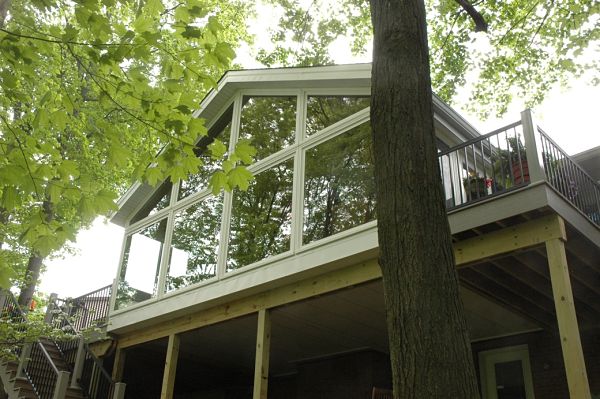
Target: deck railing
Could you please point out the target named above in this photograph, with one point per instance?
(512, 157)
(569, 179)
(88, 371)
(41, 371)
(485, 166)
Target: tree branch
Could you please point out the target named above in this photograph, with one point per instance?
(480, 24)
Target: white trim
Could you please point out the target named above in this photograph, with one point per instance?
(166, 256)
(488, 359)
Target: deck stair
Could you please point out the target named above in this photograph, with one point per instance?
(48, 369)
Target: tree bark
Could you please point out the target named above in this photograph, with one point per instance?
(32, 275)
(4, 6)
(34, 265)
(428, 336)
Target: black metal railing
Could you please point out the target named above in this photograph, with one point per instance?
(15, 321)
(484, 166)
(41, 371)
(569, 179)
(90, 310)
(95, 380)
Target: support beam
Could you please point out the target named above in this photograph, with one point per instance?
(168, 383)
(263, 347)
(328, 282)
(119, 365)
(521, 236)
(567, 320)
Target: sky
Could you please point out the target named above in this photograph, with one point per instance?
(571, 116)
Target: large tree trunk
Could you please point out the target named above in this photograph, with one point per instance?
(32, 276)
(428, 336)
(34, 265)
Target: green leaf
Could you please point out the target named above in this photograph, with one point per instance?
(217, 149)
(10, 198)
(41, 118)
(217, 182)
(153, 175)
(240, 177)
(192, 32)
(67, 169)
(196, 127)
(54, 192)
(245, 151)
(143, 24)
(60, 119)
(6, 274)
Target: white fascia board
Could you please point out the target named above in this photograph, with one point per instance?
(306, 263)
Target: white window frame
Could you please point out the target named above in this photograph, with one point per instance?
(488, 359)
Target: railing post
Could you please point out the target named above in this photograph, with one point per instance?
(533, 147)
(119, 391)
(24, 360)
(62, 383)
(78, 367)
(50, 309)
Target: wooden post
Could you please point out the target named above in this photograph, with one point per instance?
(533, 146)
(119, 391)
(50, 309)
(567, 320)
(24, 360)
(263, 347)
(168, 383)
(119, 365)
(78, 367)
(62, 383)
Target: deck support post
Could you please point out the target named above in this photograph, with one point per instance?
(119, 391)
(263, 348)
(119, 365)
(24, 359)
(570, 339)
(62, 383)
(78, 367)
(168, 383)
(49, 316)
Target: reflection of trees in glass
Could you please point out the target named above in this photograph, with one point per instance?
(323, 111)
(339, 191)
(141, 263)
(159, 200)
(195, 244)
(219, 132)
(269, 123)
(261, 217)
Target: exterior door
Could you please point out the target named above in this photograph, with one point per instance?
(506, 373)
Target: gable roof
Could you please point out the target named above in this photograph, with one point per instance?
(333, 76)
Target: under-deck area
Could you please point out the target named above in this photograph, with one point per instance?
(331, 341)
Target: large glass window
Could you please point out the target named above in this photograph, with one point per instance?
(269, 123)
(141, 263)
(323, 111)
(339, 188)
(218, 135)
(195, 244)
(261, 217)
(159, 200)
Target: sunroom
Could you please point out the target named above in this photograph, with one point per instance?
(312, 188)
